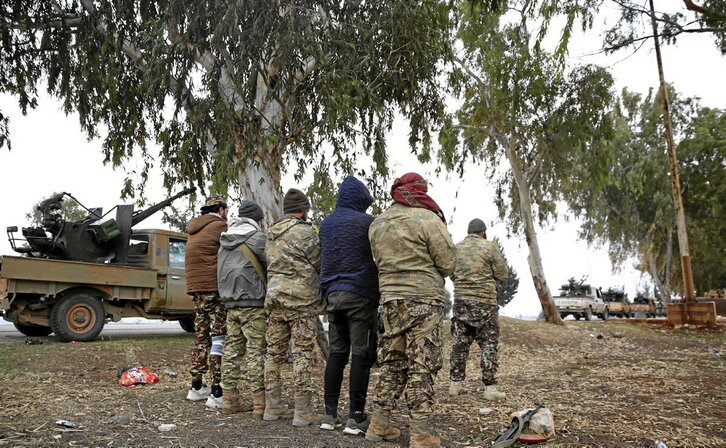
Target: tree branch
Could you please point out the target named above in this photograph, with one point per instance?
(691, 6)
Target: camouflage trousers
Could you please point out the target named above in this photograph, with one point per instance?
(409, 354)
(209, 321)
(475, 321)
(283, 327)
(245, 340)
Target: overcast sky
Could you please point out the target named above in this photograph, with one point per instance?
(51, 154)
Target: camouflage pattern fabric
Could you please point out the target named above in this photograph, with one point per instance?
(245, 341)
(284, 326)
(479, 265)
(293, 266)
(413, 251)
(409, 355)
(475, 321)
(209, 321)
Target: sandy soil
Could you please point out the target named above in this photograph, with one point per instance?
(611, 384)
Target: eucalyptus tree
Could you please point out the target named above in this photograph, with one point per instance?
(680, 19)
(235, 92)
(632, 210)
(519, 104)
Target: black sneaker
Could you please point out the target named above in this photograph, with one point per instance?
(331, 422)
(355, 428)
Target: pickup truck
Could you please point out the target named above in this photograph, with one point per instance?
(74, 299)
(617, 303)
(580, 300)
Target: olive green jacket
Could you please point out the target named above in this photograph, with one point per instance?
(293, 266)
(479, 265)
(414, 253)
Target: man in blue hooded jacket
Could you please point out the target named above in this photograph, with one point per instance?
(349, 280)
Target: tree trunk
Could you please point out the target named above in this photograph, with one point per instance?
(653, 270)
(260, 182)
(260, 185)
(535, 259)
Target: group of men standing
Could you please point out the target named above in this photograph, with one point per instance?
(265, 293)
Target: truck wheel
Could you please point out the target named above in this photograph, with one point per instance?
(77, 318)
(187, 324)
(588, 314)
(33, 330)
(605, 314)
(577, 316)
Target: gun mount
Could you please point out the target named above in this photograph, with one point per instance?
(92, 239)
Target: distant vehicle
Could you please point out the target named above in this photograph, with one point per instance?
(76, 275)
(617, 303)
(581, 300)
(647, 307)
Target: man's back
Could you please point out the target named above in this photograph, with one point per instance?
(201, 252)
(413, 252)
(346, 252)
(293, 263)
(479, 265)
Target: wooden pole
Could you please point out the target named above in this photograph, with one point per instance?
(688, 291)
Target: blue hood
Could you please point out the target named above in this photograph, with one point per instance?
(354, 194)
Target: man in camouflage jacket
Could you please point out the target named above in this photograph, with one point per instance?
(294, 302)
(414, 253)
(479, 265)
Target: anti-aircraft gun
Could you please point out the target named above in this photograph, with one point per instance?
(76, 275)
(93, 239)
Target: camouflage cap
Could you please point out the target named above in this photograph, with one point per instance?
(215, 199)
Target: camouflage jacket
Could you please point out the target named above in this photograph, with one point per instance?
(479, 265)
(413, 251)
(293, 266)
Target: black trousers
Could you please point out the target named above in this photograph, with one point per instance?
(352, 331)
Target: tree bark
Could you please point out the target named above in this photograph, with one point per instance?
(653, 270)
(535, 259)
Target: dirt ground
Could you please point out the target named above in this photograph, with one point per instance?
(612, 384)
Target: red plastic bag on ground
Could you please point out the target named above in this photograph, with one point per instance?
(137, 375)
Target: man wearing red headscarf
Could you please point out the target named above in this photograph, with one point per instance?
(414, 253)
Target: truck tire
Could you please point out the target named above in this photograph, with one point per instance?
(187, 324)
(588, 313)
(33, 330)
(77, 317)
(577, 316)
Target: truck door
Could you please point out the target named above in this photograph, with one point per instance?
(176, 288)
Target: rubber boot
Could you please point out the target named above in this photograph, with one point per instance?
(421, 437)
(456, 388)
(304, 414)
(491, 393)
(258, 404)
(273, 409)
(380, 427)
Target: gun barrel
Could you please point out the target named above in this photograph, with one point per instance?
(143, 214)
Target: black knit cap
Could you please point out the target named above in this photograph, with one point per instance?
(250, 209)
(295, 201)
(476, 225)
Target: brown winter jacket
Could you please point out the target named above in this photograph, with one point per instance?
(201, 254)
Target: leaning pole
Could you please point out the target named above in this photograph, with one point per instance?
(688, 311)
